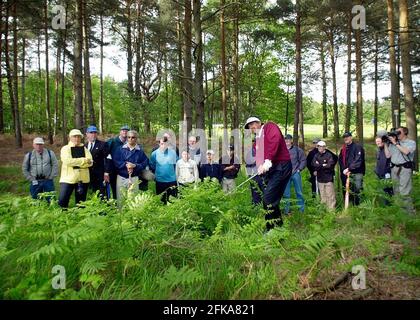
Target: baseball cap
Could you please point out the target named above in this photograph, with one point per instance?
(91, 129)
(251, 120)
(289, 137)
(347, 134)
(210, 151)
(316, 140)
(125, 127)
(321, 144)
(75, 132)
(39, 141)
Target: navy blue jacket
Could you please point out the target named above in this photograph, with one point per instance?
(352, 157)
(211, 170)
(383, 165)
(124, 155)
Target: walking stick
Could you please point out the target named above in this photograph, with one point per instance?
(317, 185)
(347, 196)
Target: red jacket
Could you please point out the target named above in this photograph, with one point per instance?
(271, 145)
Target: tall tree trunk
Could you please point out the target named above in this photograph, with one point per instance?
(349, 63)
(376, 103)
(199, 67)
(101, 78)
(41, 90)
(235, 63)
(179, 55)
(1, 73)
(78, 68)
(130, 83)
(395, 94)
(187, 66)
(298, 99)
(88, 80)
(47, 76)
(410, 111)
(223, 63)
(334, 78)
(12, 75)
(359, 77)
(57, 90)
(22, 84)
(138, 100)
(63, 87)
(324, 93)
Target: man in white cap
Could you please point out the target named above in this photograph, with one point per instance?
(40, 167)
(273, 162)
(323, 163)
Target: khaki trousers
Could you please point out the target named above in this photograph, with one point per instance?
(327, 192)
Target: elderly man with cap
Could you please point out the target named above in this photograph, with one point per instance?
(40, 167)
(99, 151)
(210, 168)
(76, 161)
(352, 165)
(298, 158)
(113, 145)
(273, 161)
(323, 164)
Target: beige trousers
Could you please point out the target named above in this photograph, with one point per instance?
(327, 192)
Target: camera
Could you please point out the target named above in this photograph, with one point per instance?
(40, 177)
(165, 139)
(393, 133)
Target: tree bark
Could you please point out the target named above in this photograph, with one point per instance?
(101, 78)
(187, 66)
(395, 94)
(334, 78)
(47, 76)
(298, 99)
(180, 65)
(18, 131)
(359, 111)
(22, 84)
(236, 100)
(376, 103)
(324, 93)
(349, 64)
(130, 83)
(88, 79)
(57, 90)
(78, 68)
(410, 111)
(223, 63)
(199, 67)
(63, 86)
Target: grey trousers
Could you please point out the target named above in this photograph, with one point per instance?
(403, 185)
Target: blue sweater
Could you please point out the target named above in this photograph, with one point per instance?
(163, 165)
(124, 154)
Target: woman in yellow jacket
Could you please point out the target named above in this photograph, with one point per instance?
(74, 170)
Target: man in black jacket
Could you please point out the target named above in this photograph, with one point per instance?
(352, 163)
(309, 159)
(383, 166)
(323, 163)
(100, 151)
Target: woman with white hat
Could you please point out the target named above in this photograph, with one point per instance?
(76, 160)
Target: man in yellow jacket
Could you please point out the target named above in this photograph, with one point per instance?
(76, 160)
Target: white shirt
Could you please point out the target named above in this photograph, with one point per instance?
(186, 171)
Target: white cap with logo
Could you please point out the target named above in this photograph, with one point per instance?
(39, 141)
(251, 120)
(321, 144)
